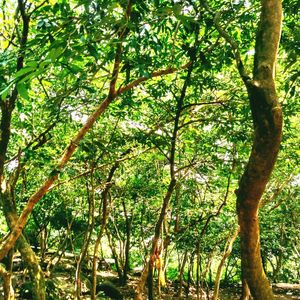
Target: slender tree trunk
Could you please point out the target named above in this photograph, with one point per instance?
(161, 263)
(103, 222)
(150, 281)
(115, 255)
(181, 273)
(227, 252)
(190, 273)
(62, 247)
(128, 221)
(165, 261)
(44, 242)
(172, 184)
(87, 237)
(198, 271)
(149, 265)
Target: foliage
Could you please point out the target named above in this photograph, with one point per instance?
(66, 74)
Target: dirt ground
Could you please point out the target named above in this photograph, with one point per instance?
(63, 280)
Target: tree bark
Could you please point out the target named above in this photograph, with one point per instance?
(28, 255)
(35, 271)
(267, 122)
(181, 273)
(173, 179)
(7, 285)
(245, 290)
(149, 265)
(128, 222)
(103, 221)
(87, 237)
(227, 251)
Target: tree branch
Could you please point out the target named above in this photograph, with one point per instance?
(243, 73)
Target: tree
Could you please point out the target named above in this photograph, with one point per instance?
(162, 77)
(267, 122)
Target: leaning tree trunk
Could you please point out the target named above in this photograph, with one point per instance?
(27, 254)
(267, 121)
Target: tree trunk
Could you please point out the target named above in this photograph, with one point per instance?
(35, 271)
(267, 121)
(140, 286)
(181, 273)
(28, 255)
(190, 274)
(103, 221)
(149, 265)
(117, 258)
(87, 237)
(7, 286)
(227, 252)
(198, 271)
(245, 290)
(128, 221)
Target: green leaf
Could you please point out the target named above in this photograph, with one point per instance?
(145, 73)
(32, 64)
(24, 70)
(31, 75)
(22, 90)
(55, 53)
(93, 51)
(177, 8)
(5, 92)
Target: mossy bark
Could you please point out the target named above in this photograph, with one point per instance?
(35, 271)
(7, 284)
(28, 255)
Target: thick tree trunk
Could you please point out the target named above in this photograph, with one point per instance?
(267, 121)
(35, 271)
(245, 290)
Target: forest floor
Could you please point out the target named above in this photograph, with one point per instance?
(62, 287)
(282, 291)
